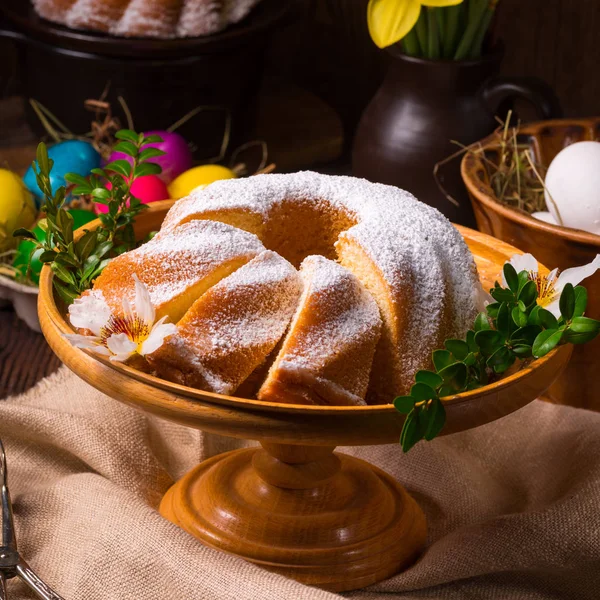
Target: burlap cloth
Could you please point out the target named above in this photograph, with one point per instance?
(513, 507)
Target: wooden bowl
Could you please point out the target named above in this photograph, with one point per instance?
(294, 506)
(552, 245)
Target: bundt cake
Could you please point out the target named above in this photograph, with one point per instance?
(327, 355)
(385, 280)
(231, 329)
(411, 259)
(146, 18)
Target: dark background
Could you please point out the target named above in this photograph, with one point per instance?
(327, 50)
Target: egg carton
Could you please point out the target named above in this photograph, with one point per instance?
(23, 298)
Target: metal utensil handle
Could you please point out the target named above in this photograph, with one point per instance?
(3, 592)
(42, 589)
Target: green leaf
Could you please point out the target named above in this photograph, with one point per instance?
(404, 404)
(578, 338)
(101, 193)
(68, 295)
(581, 299)
(567, 302)
(47, 256)
(502, 295)
(470, 359)
(100, 172)
(85, 244)
(77, 179)
(103, 248)
(128, 135)
(410, 432)
(422, 392)
(152, 139)
(526, 334)
(65, 259)
(455, 376)
(459, 348)
(437, 420)
(42, 158)
(584, 325)
(62, 273)
(511, 277)
(503, 320)
(126, 147)
(471, 341)
(433, 380)
(519, 317)
(547, 319)
(481, 323)
(522, 350)
(147, 168)
(528, 293)
(148, 153)
(121, 166)
(24, 233)
(441, 359)
(492, 309)
(501, 360)
(489, 340)
(546, 341)
(523, 279)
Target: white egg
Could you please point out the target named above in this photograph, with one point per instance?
(544, 216)
(573, 184)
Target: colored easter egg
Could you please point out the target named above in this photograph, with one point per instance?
(70, 156)
(573, 187)
(17, 208)
(26, 248)
(148, 188)
(198, 177)
(177, 157)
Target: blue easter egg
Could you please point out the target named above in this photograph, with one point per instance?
(70, 156)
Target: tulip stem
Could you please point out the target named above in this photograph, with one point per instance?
(410, 43)
(450, 36)
(476, 13)
(421, 29)
(434, 35)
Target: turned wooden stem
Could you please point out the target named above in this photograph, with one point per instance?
(296, 467)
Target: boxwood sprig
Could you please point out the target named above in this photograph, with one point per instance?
(77, 264)
(513, 328)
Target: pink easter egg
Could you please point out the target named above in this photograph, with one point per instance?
(148, 188)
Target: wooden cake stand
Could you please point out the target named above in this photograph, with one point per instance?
(292, 505)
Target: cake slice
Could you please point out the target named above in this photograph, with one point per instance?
(230, 330)
(327, 355)
(179, 267)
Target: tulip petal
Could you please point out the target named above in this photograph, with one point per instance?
(143, 304)
(89, 311)
(576, 275)
(441, 2)
(390, 20)
(157, 336)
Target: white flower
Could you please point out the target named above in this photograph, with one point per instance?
(119, 337)
(551, 286)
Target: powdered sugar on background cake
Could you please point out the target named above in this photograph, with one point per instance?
(147, 18)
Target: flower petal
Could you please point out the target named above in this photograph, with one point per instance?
(157, 336)
(87, 342)
(120, 346)
(524, 262)
(143, 304)
(89, 311)
(441, 2)
(554, 307)
(576, 275)
(390, 20)
(127, 310)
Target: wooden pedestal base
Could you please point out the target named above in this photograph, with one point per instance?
(322, 518)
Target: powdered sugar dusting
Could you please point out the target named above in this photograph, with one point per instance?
(147, 18)
(230, 330)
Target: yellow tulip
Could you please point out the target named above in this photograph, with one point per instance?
(390, 20)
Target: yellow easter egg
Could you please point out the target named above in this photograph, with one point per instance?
(17, 208)
(198, 177)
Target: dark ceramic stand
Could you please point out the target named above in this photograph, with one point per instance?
(421, 107)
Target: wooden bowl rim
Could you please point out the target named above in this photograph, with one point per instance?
(484, 194)
(47, 303)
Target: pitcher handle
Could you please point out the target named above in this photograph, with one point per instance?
(500, 90)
